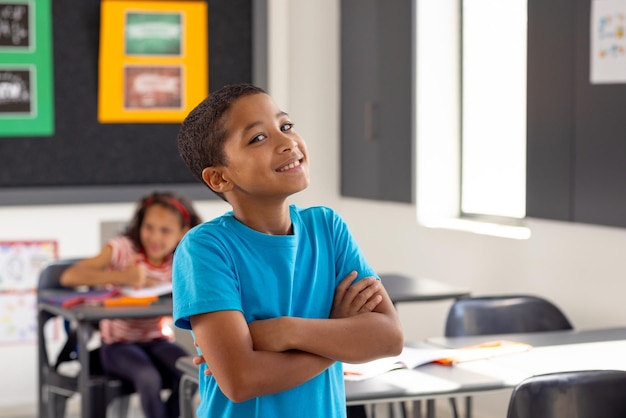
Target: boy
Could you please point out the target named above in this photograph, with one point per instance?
(267, 288)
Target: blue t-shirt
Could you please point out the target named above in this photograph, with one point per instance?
(225, 265)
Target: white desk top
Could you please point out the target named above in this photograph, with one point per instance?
(607, 355)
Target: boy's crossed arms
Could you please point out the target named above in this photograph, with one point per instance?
(276, 354)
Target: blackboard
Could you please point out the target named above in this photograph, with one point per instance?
(87, 161)
(576, 154)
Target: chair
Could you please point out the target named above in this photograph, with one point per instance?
(579, 394)
(505, 314)
(55, 387)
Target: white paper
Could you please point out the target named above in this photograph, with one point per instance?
(157, 290)
(608, 42)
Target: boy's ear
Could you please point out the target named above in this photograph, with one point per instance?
(213, 178)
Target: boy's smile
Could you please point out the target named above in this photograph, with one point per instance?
(289, 166)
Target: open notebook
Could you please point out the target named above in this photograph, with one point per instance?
(157, 290)
(415, 357)
(109, 297)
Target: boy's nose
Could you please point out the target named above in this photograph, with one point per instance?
(287, 143)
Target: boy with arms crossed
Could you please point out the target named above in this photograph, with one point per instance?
(277, 295)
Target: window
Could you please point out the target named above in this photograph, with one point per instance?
(493, 108)
(470, 113)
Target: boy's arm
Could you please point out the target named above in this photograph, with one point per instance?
(241, 371)
(354, 339)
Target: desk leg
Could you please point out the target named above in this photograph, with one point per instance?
(187, 389)
(430, 408)
(41, 352)
(468, 407)
(84, 333)
(417, 409)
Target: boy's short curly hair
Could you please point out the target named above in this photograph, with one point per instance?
(202, 134)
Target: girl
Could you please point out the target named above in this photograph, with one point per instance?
(137, 349)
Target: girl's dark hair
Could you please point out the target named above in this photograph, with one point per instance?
(201, 136)
(179, 204)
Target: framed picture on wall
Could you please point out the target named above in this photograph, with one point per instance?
(26, 93)
(153, 87)
(21, 262)
(153, 60)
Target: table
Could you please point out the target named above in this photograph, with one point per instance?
(552, 351)
(85, 317)
(420, 289)
(537, 339)
(423, 383)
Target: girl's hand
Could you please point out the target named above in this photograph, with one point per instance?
(353, 299)
(137, 274)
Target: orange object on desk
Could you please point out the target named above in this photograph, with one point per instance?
(130, 301)
(485, 350)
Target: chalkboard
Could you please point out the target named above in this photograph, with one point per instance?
(576, 155)
(87, 161)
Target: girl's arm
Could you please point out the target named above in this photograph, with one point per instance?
(94, 271)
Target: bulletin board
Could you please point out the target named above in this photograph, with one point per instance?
(103, 161)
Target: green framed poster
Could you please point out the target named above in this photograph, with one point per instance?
(26, 79)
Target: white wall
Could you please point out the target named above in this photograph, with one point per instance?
(580, 267)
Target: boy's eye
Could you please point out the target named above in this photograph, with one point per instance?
(257, 138)
(286, 126)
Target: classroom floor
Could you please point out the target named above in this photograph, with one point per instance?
(73, 410)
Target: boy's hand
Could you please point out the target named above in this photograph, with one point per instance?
(350, 299)
(353, 299)
(199, 359)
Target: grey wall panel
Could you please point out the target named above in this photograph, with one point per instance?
(376, 94)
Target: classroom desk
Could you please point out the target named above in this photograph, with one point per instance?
(85, 317)
(420, 289)
(536, 339)
(552, 352)
(555, 351)
(423, 383)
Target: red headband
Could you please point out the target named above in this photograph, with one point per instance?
(177, 205)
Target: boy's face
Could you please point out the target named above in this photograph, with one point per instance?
(266, 158)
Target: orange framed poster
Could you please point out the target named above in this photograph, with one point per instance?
(153, 64)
